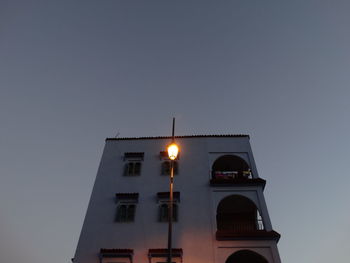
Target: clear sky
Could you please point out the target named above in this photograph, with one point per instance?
(75, 72)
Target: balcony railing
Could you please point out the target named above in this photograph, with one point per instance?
(223, 235)
(260, 224)
(242, 226)
(243, 230)
(227, 175)
(227, 178)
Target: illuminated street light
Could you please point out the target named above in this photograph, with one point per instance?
(173, 151)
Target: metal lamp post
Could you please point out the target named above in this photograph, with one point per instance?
(173, 151)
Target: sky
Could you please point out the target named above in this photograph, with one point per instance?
(75, 72)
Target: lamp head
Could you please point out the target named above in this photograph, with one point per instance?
(173, 151)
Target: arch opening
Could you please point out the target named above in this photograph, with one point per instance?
(230, 166)
(238, 214)
(246, 256)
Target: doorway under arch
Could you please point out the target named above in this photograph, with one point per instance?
(246, 256)
(237, 213)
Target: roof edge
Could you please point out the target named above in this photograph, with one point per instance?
(179, 137)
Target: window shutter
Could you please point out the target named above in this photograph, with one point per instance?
(176, 170)
(137, 168)
(175, 210)
(131, 213)
(163, 213)
(166, 168)
(163, 168)
(126, 169)
(131, 169)
(121, 214)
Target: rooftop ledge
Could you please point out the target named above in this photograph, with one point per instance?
(179, 137)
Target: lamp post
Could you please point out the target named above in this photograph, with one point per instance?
(173, 151)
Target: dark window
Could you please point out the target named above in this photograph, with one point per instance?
(164, 212)
(132, 168)
(137, 168)
(130, 214)
(166, 167)
(126, 213)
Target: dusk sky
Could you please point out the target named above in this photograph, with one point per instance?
(75, 72)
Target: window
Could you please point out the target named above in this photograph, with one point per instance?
(166, 168)
(164, 212)
(163, 202)
(126, 207)
(132, 168)
(126, 212)
(133, 163)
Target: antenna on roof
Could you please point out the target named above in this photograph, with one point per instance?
(117, 135)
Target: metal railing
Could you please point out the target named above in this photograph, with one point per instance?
(232, 175)
(242, 226)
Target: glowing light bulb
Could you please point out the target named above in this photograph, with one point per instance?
(173, 151)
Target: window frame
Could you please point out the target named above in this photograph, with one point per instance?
(165, 167)
(163, 214)
(163, 206)
(133, 163)
(132, 168)
(129, 214)
(126, 207)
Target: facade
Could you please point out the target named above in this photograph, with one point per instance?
(220, 214)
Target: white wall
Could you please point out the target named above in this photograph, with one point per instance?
(195, 230)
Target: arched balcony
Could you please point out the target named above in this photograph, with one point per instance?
(230, 166)
(238, 214)
(246, 256)
(237, 217)
(232, 170)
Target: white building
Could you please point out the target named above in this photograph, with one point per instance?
(220, 210)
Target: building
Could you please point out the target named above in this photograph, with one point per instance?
(220, 212)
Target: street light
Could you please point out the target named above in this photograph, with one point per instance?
(173, 151)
